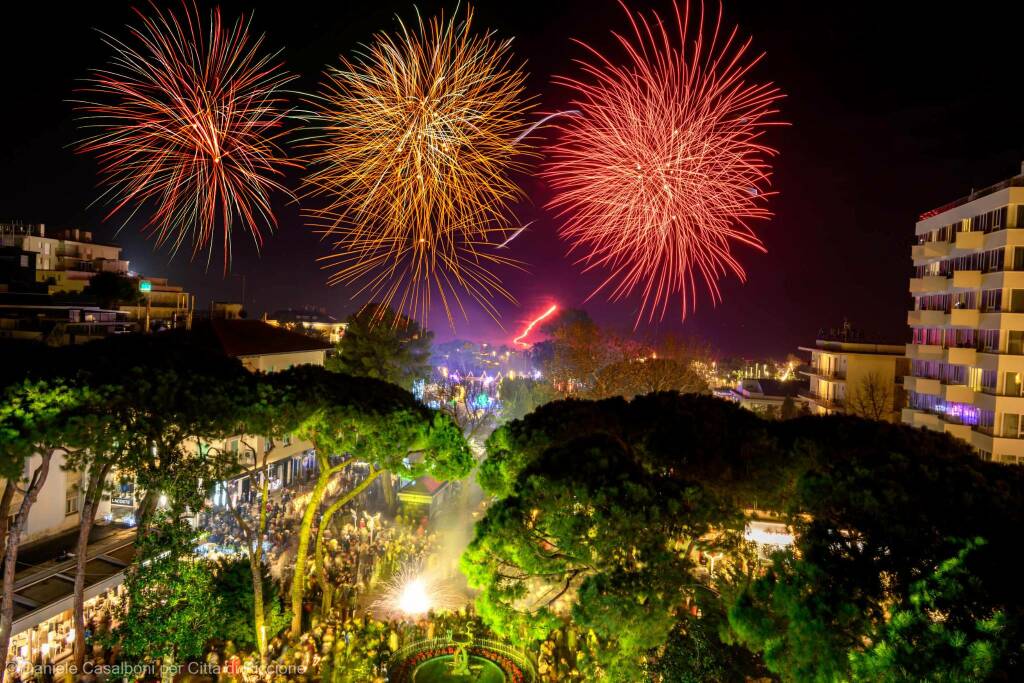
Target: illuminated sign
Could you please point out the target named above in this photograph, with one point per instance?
(145, 286)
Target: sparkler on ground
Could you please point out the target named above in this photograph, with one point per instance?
(412, 592)
(411, 149)
(665, 168)
(187, 118)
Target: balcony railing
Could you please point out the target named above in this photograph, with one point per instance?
(829, 373)
(821, 400)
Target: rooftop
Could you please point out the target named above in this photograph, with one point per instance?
(238, 338)
(1015, 181)
(303, 315)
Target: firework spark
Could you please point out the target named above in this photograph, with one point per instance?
(187, 119)
(664, 169)
(533, 323)
(413, 146)
(412, 593)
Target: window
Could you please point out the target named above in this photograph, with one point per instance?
(1011, 426)
(1015, 342)
(990, 341)
(71, 499)
(992, 300)
(1012, 384)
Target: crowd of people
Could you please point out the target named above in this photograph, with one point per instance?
(352, 638)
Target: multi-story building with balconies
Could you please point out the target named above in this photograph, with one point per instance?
(967, 349)
(849, 375)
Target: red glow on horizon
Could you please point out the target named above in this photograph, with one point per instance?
(533, 323)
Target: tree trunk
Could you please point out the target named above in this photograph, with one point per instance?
(86, 519)
(11, 558)
(5, 512)
(166, 669)
(325, 520)
(256, 565)
(299, 576)
(145, 510)
(388, 489)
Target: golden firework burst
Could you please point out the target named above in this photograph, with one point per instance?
(413, 147)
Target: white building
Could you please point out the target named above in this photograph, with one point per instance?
(967, 351)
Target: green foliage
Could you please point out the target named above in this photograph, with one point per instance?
(380, 422)
(171, 609)
(522, 395)
(38, 414)
(382, 344)
(695, 653)
(599, 504)
(111, 290)
(944, 621)
(232, 586)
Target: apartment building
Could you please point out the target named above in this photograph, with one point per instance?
(850, 375)
(64, 262)
(967, 322)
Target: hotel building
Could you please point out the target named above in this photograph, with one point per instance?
(967, 349)
(848, 375)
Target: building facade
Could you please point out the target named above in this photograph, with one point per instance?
(64, 260)
(34, 260)
(856, 377)
(967, 322)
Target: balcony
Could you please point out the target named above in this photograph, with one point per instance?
(969, 241)
(922, 385)
(924, 351)
(929, 283)
(967, 279)
(823, 401)
(921, 418)
(965, 317)
(957, 393)
(926, 318)
(930, 250)
(964, 356)
(828, 373)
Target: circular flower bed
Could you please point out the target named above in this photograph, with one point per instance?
(515, 667)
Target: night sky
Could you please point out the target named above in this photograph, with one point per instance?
(893, 112)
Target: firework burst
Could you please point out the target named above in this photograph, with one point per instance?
(413, 145)
(187, 119)
(664, 169)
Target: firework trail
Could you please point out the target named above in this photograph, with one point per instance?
(533, 323)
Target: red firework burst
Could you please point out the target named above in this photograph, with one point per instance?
(187, 119)
(664, 168)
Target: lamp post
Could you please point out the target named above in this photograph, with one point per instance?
(146, 287)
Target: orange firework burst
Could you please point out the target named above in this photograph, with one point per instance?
(412, 149)
(187, 119)
(664, 169)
